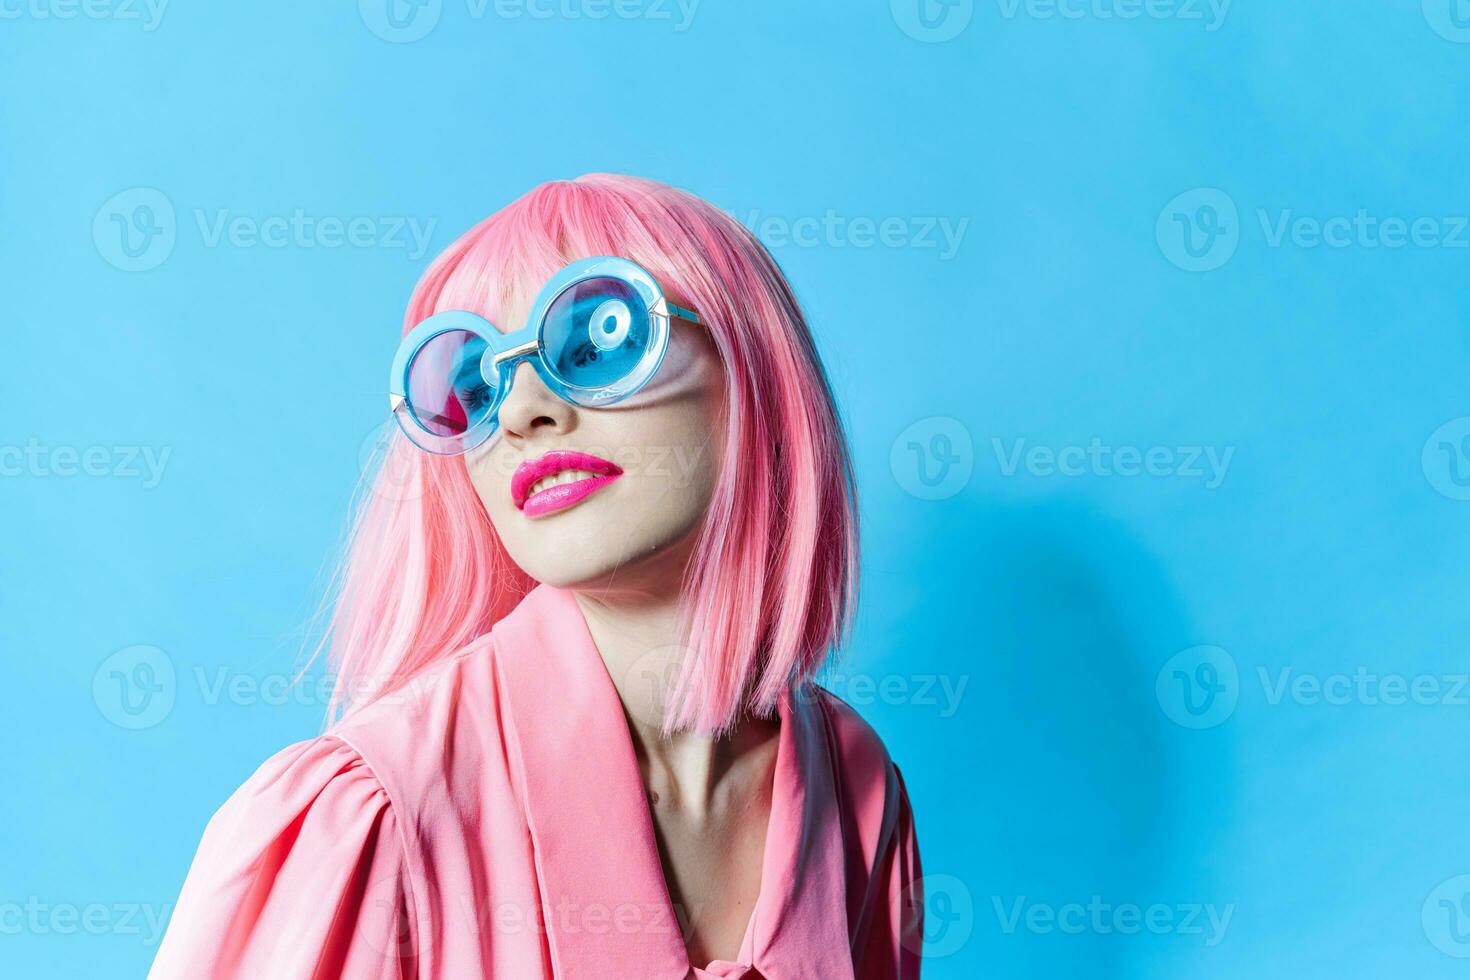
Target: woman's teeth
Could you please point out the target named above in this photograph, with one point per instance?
(556, 479)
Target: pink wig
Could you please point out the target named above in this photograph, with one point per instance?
(772, 581)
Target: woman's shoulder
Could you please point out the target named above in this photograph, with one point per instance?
(303, 855)
(868, 779)
(317, 774)
(879, 822)
(316, 864)
(436, 736)
(364, 756)
(861, 750)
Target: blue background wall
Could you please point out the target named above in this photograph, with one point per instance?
(1100, 686)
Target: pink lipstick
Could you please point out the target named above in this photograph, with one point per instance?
(558, 480)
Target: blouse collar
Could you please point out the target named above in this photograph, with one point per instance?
(604, 899)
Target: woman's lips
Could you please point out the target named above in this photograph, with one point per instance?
(588, 475)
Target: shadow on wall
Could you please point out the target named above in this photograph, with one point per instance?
(1056, 777)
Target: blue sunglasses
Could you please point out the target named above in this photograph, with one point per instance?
(597, 333)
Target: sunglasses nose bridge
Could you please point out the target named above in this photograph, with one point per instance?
(516, 353)
(527, 404)
(503, 364)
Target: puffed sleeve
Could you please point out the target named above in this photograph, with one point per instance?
(301, 874)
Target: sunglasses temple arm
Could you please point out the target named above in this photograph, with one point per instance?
(682, 313)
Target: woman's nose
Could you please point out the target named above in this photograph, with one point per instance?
(531, 409)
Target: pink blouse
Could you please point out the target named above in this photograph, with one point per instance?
(490, 821)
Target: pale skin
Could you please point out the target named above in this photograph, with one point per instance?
(623, 552)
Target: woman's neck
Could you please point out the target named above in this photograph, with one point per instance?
(637, 631)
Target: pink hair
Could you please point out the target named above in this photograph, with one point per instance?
(773, 578)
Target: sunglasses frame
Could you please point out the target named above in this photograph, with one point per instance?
(505, 351)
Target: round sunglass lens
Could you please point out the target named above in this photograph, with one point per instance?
(595, 333)
(447, 394)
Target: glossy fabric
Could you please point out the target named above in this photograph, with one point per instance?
(490, 821)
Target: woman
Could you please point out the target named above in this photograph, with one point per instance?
(577, 735)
